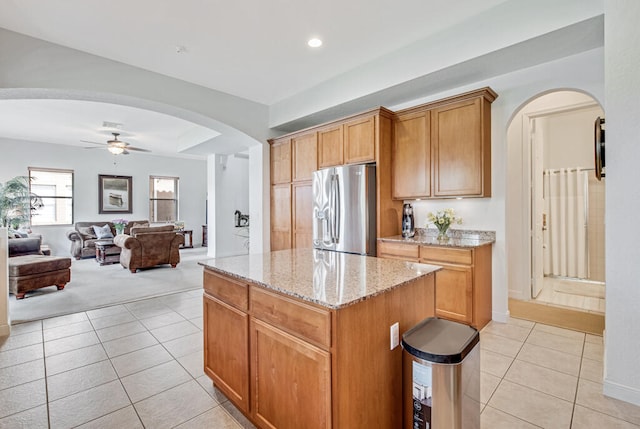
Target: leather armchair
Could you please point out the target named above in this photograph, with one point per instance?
(148, 247)
(83, 239)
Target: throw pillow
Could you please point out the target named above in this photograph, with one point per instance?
(103, 231)
(87, 232)
(140, 225)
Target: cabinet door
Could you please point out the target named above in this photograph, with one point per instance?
(305, 156)
(302, 215)
(359, 140)
(281, 161)
(291, 380)
(411, 156)
(330, 147)
(458, 149)
(454, 293)
(226, 350)
(280, 217)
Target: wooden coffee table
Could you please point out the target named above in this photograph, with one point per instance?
(107, 252)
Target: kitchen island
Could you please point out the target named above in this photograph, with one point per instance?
(302, 338)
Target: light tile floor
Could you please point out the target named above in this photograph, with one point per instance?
(140, 365)
(586, 296)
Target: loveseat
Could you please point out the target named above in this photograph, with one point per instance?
(148, 247)
(83, 237)
(30, 269)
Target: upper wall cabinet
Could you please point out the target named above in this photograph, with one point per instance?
(411, 156)
(330, 146)
(443, 149)
(305, 156)
(281, 161)
(359, 140)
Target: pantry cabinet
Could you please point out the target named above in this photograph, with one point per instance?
(281, 216)
(442, 149)
(281, 161)
(302, 206)
(305, 156)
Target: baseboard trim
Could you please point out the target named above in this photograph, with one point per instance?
(576, 320)
(5, 330)
(623, 393)
(501, 317)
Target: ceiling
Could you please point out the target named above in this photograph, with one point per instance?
(254, 49)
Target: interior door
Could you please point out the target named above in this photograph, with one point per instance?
(538, 221)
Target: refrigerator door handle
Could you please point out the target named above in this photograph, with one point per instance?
(335, 208)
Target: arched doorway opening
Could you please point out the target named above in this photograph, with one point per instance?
(555, 207)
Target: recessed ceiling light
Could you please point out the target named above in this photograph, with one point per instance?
(314, 43)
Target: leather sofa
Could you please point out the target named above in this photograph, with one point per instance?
(83, 239)
(30, 269)
(148, 247)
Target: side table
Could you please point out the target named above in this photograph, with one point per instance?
(188, 238)
(107, 252)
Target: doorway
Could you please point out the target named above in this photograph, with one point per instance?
(563, 211)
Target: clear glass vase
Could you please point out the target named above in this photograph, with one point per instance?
(119, 229)
(442, 232)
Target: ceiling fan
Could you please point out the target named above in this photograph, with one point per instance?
(116, 146)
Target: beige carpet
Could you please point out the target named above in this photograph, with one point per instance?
(93, 286)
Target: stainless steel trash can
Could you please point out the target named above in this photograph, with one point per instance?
(442, 375)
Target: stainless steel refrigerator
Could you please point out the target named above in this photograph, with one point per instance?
(344, 209)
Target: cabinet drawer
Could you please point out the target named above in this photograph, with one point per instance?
(398, 250)
(227, 290)
(448, 255)
(296, 317)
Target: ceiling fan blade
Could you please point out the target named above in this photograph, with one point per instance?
(87, 141)
(137, 149)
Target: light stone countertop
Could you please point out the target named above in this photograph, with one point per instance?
(457, 238)
(327, 278)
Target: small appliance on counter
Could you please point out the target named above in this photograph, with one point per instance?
(408, 224)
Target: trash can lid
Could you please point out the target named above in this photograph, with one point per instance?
(440, 341)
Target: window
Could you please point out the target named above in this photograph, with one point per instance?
(51, 196)
(163, 199)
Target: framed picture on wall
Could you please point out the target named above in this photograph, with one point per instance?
(115, 194)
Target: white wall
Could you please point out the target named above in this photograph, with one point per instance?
(569, 139)
(583, 71)
(18, 155)
(622, 83)
(232, 193)
(5, 327)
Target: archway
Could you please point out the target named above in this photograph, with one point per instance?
(550, 145)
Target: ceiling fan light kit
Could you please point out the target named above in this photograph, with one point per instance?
(116, 146)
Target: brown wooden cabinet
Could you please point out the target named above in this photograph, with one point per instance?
(225, 315)
(359, 140)
(443, 149)
(463, 286)
(461, 149)
(411, 155)
(302, 214)
(304, 365)
(281, 217)
(281, 161)
(305, 156)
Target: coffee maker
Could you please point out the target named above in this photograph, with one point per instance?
(408, 224)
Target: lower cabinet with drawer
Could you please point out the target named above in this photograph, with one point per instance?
(463, 286)
(288, 363)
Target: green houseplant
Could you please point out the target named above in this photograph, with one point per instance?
(17, 202)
